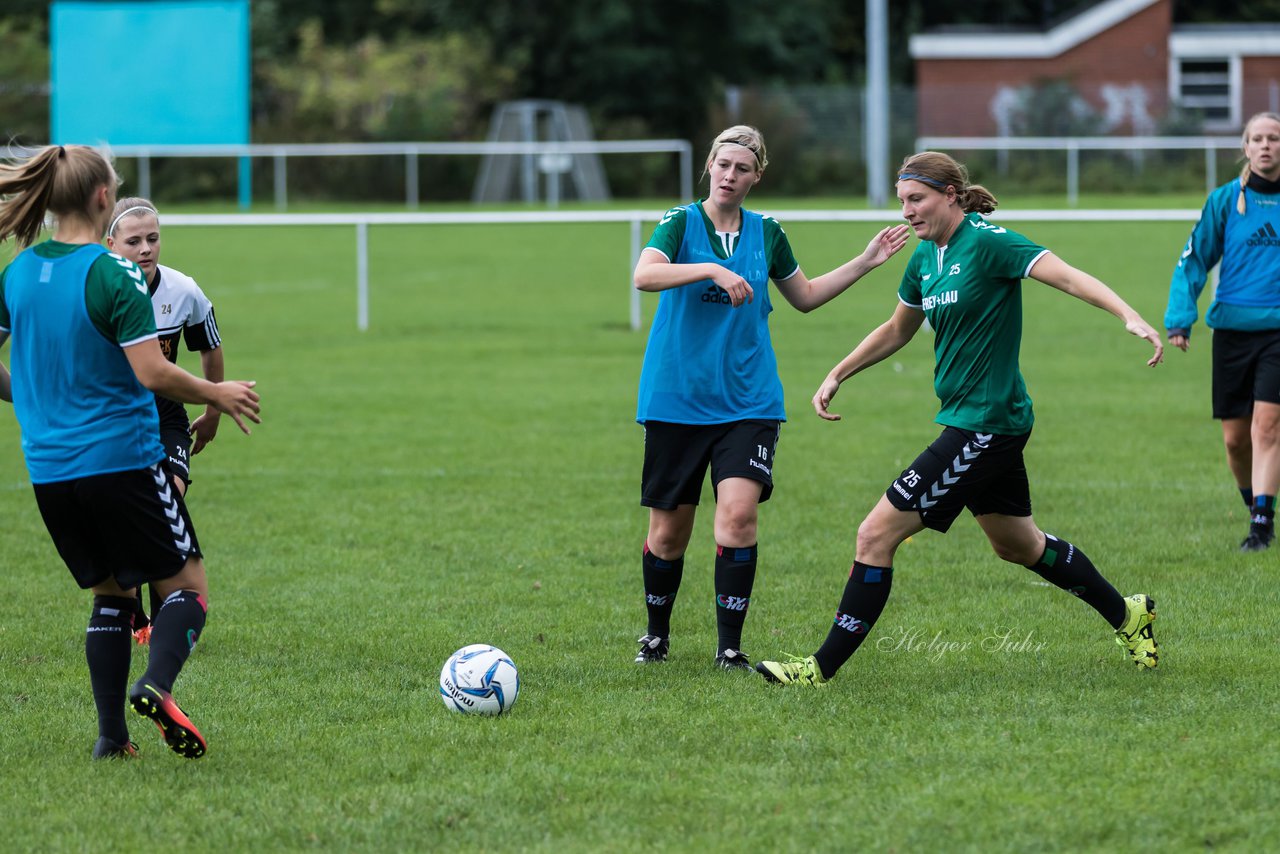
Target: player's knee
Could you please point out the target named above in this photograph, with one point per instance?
(1238, 442)
(874, 536)
(1265, 432)
(736, 525)
(667, 543)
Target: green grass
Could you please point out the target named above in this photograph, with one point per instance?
(468, 471)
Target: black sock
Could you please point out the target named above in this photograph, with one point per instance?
(108, 641)
(735, 576)
(174, 631)
(1065, 566)
(661, 583)
(865, 593)
(1246, 493)
(1263, 512)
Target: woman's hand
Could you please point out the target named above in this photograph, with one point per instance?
(204, 429)
(886, 244)
(1142, 329)
(822, 398)
(237, 399)
(738, 288)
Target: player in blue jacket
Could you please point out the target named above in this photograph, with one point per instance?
(1240, 227)
(86, 368)
(710, 396)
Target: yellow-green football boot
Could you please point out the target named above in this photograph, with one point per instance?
(793, 671)
(1135, 635)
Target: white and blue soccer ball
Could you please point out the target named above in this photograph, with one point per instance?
(479, 680)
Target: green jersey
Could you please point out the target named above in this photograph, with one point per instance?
(115, 295)
(971, 293)
(669, 234)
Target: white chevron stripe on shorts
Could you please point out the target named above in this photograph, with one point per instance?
(951, 474)
(181, 536)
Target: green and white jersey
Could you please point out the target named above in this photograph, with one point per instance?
(971, 293)
(669, 234)
(115, 295)
(82, 411)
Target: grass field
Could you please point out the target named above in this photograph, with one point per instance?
(468, 471)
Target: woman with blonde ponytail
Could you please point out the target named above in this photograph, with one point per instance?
(86, 367)
(182, 311)
(1240, 227)
(710, 397)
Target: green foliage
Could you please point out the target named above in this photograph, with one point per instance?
(435, 69)
(438, 88)
(997, 12)
(467, 470)
(1181, 121)
(1217, 11)
(815, 134)
(24, 80)
(1163, 175)
(679, 54)
(410, 87)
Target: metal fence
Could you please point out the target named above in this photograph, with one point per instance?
(634, 220)
(1134, 146)
(411, 152)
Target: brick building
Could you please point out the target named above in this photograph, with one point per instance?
(1125, 60)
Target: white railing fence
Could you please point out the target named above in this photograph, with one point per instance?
(1072, 146)
(634, 220)
(538, 153)
(544, 152)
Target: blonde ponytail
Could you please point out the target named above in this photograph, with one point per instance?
(59, 180)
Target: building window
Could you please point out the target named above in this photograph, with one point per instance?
(1204, 84)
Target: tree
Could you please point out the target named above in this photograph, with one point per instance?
(412, 87)
(656, 64)
(24, 80)
(1218, 11)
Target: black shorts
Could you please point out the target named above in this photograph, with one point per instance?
(984, 472)
(1246, 367)
(131, 526)
(177, 452)
(676, 457)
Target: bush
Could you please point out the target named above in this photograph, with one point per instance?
(413, 88)
(24, 81)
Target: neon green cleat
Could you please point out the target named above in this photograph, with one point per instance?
(1135, 635)
(793, 671)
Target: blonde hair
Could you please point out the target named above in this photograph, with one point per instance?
(940, 171)
(744, 135)
(58, 179)
(131, 206)
(1244, 143)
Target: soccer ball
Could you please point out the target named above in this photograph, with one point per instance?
(479, 680)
